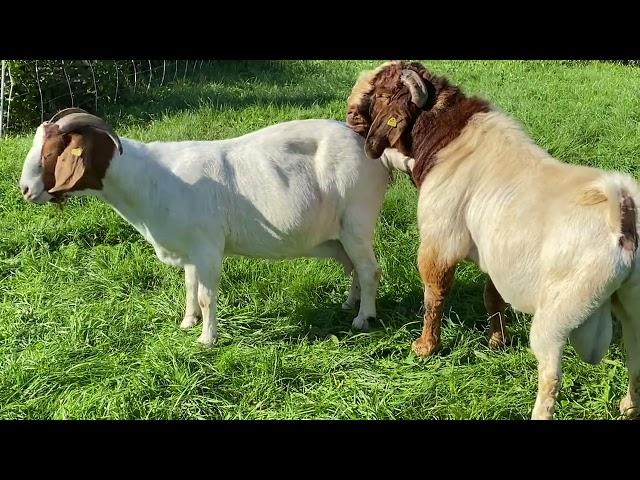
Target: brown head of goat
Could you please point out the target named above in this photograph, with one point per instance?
(402, 105)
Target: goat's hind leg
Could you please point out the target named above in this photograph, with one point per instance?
(334, 249)
(496, 308)
(548, 338)
(366, 276)
(626, 307)
(561, 317)
(193, 313)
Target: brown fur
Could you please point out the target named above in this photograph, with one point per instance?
(438, 280)
(421, 133)
(433, 131)
(54, 144)
(65, 172)
(629, 238)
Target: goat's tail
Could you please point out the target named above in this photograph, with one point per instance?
(622, 195)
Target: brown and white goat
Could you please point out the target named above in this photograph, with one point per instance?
(558, 241)
(301, 188)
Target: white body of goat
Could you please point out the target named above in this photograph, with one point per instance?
(296, 189)
(548, 235)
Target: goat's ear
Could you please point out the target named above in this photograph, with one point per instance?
(70, 167)
(384, 133)
(84, 161)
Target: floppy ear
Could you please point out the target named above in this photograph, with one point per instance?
(70, 168)
(384, 133)
(84, 160)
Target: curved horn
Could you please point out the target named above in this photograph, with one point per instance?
(416, 86)
(84, 119)
(65, 112)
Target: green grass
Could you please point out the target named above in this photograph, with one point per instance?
(89, 317)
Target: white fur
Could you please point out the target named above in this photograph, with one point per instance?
(524, 218)
(296, 189)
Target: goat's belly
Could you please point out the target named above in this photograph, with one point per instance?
(273, 248)
(518, 299)
(167, 255)
(268, 245)
(283, 236)
(170, 258)
(517, 286)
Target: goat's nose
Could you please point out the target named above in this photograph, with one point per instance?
(24, 189)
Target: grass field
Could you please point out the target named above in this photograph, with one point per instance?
(89, 317)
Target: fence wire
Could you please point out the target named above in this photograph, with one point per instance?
(45, 87)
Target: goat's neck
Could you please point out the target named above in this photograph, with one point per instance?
(434, 130)
(137, 186)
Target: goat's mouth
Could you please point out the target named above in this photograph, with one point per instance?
(58, 199)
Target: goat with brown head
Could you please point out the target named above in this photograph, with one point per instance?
(402, 105)
(384, 97)
(558, 240)
(393, 115)
(71, 152)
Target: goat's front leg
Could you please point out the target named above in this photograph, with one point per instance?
(208, 285)
(497, 309)
(437, 276)
(193, 313)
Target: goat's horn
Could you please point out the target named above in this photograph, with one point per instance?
(416, 86)
(65, 112)
(84, 119)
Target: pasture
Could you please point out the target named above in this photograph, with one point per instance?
(89, 316)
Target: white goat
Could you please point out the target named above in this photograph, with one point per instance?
(296, 189)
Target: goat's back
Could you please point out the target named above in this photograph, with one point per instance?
(281, 190)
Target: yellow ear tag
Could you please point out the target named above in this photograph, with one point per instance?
(76, 151)
(392, 122)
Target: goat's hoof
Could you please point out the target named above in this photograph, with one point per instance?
(497, 341)
(207, 341)
(361, 323)
(628, 408)
(542, 416)
(189, 321)
(425, 347)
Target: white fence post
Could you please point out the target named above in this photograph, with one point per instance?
(2, 98)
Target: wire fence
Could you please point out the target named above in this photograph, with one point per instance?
(32, 91)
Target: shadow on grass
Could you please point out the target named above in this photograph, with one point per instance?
(464, 306)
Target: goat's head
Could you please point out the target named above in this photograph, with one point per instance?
(70, 153)
(385, 102)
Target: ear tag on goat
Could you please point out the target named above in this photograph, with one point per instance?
(76, 152)
(392, 122)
